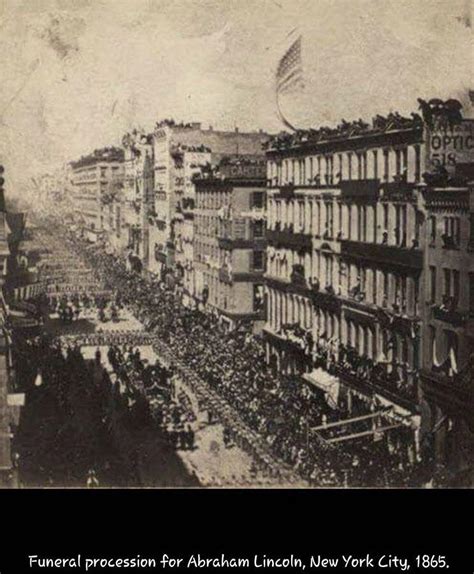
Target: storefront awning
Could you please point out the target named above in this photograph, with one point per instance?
(327, 383)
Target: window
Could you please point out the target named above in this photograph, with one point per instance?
(400, 225)
(417, 164)
(432, 284)
(328, 278)
(330, 169)
(385, 165)
(258, 298)
(257, 199)
(376, 166)
(456, 286)
(363, 278)
(404, 301)
(329, 221)
(302, 172)
(301, 212)
(258, 260)
(385, 289)
(432, 230)
(398, 162)
(363, 223)
(258, 229)
(451, 236)
(385, 223)
(433, 343)
(447, 282)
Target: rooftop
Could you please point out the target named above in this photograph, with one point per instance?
(106, 154)
(436, 114)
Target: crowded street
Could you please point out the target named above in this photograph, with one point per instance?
(128, 387)
(132, 415)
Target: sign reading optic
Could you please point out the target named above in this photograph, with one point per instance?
(450, 147)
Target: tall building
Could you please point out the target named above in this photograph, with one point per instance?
(188, 162)
(169, 139)
(229, 240)
(448, 330)
(136, 206)
(96, 180)
(346, 259)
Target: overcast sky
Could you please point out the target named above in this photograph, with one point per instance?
(77, 74)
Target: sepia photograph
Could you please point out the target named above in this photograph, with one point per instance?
(237, 244)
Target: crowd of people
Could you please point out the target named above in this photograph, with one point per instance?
(87, 425)
(72, 307)
(172, 412)
(273, 410)
(279, 408)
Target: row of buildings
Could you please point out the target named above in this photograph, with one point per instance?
(17, 279)
(349, 250)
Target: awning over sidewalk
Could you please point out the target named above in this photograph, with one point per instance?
(327, 383)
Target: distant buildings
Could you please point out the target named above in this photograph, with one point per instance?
(179, 150)
(96, 181)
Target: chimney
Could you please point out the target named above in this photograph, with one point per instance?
(210, 128)
(236, 130)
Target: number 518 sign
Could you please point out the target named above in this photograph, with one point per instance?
(450, 147)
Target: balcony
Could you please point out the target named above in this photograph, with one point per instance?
(287, 191)
(360, 189)
(239, 243)
(327, 299)
(383, 255)
(452, 393)
(280, 284)
(294, 346)
(288, 238)
(378, 383)
(399, 190)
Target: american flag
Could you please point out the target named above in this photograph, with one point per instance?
(289, 74)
